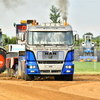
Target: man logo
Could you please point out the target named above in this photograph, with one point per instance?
(50, 56)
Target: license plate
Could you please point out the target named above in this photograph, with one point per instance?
(50, 66)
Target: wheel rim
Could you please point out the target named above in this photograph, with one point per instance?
(2, 61)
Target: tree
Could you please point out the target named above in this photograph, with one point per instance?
(97, 40)
(7, 40)
(55, 14)
(4, 37)
(12, 40)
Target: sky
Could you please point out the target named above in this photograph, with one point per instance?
(83, 15)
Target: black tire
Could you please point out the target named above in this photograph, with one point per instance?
(2, 61)
(68, 77)
(58, 77)
(27, 77)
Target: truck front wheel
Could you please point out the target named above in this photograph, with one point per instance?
(27, 77)
(58, 77)
(68, 77)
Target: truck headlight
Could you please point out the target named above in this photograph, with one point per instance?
(68, 71)
(69, 67)
(32, 67)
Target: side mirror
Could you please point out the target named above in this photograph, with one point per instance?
(76, 37)
(21, 36)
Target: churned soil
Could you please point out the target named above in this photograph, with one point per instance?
(83, 87)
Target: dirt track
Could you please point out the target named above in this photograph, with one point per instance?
(84, 87)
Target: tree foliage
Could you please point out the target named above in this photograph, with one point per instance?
(55, 14)
(4, 37)
(7, 40)
(97, 40)
(12, 40)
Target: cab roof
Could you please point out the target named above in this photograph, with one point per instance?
(50, 28)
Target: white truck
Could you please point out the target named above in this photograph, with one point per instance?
(42, 50)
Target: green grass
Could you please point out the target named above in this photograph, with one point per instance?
(87, 67)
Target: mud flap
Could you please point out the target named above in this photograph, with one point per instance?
(2, 61)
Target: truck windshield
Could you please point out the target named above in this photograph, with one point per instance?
(55, 38)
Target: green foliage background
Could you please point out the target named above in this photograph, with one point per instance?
(11, 40)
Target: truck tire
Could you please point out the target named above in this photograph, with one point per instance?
(27, 77)
(19, 70)
(58, 77)
(18, 73)
(68, 77)
(22, 74)
(2, 61)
